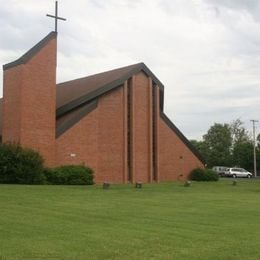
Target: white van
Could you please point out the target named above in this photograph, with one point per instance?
(238, 172)
(220, 170)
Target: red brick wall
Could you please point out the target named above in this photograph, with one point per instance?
(30, 92)
(78, 145)
(111, 136)
(39, 102)
(141, 128)
(98, 140)
(175, 158)
(12, 104)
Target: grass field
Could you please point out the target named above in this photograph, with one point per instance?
(159, 221)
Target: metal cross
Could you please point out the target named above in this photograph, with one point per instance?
(56, 17)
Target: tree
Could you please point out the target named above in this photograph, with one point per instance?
(242, 147)
(258, 141)
(238, 132)
(243, 155)
(201, 147)
(228, 145)
(218, 141)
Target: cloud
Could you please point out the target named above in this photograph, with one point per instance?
(206, 52)
(250, 5)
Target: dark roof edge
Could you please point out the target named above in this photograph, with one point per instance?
(94, 94)
(182, 137)
(29, 54)
(144, 68)
(64, 127)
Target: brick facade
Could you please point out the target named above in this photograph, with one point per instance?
(125, 137)
(30, 102)
(79, 144)
(141, 128)
(175, 159)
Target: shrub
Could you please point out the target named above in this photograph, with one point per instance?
(199, 174)
(70, 174)
(20, 165)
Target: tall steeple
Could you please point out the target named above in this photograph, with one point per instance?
(29, 99)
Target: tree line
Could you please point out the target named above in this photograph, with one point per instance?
(228, 145)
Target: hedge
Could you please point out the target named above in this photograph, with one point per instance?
(70, 174)
(200, 174)
(20, 165)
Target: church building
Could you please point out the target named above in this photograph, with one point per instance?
(112, 122)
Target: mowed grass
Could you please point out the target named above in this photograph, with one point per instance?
(159, 221)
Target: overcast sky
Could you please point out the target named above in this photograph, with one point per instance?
(205, 52)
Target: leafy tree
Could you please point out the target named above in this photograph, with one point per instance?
(238, 132)
(228, 145)
(243, 155)
(218, 141)
(258, 142)
(201, 147)
(242, 146)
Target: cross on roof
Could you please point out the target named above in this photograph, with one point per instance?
(56, 17)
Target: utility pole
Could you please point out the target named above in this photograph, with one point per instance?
(254, 121)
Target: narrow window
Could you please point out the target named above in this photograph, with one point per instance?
(154, 132)
(129, 132)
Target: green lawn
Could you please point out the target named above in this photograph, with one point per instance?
(159, 221)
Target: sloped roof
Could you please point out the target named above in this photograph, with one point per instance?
(30, 53)
(64, 122)
(73, 89)
(74, 93)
